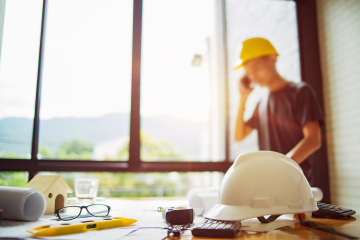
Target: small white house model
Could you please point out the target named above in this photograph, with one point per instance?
(54, 188)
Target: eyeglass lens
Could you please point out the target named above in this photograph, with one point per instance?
(98, 210)
(72, 212)
(68, 213)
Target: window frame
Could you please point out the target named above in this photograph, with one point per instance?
(310, 71)
(134, 163)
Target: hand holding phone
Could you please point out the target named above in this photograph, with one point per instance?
(245, 86)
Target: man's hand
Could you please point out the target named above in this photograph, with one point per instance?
(245, 87)
(241, 128)
(309, 144)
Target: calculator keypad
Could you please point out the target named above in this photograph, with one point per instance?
(332, 211)
(214, 228)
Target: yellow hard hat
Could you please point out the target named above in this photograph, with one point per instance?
(254, 48)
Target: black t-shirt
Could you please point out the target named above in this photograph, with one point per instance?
(280, 116)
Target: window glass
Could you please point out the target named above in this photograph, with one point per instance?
(85, 100)
(177, 104)
(14, 179)
(20, 29)
(170, 184)
(275, 21)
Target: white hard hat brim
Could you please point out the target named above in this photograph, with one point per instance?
(236, 213)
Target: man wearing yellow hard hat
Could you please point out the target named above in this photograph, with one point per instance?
(288, 118)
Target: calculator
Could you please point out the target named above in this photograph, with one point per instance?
(214, 228)
(332, 211)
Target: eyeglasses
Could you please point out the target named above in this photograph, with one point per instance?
(72, 212)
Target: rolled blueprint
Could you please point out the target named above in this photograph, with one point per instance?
(24, 204)
(202, 203)
(197, 191)
(317, 193)
(202, 199)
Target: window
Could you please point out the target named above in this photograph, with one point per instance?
(21, 21)
(155, 184)
(85, 101)
(111, 73)
(177, 122)
(273, 20)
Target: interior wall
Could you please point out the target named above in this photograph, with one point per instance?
(339, 39)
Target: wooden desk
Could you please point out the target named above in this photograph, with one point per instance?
(145, 209)
(350, 226)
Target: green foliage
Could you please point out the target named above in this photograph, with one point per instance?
(13, 179)
(151, 148)
(111, 184)
(4, 154)
(76, 149)
(129, 184)
(44, 151)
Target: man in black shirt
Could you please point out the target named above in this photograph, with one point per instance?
(288, 118)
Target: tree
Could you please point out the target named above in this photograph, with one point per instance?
(151, 148)
(44, 151)
(4, 154)
(76, 148)
(13, 179)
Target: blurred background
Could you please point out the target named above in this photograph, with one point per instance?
(188, 92)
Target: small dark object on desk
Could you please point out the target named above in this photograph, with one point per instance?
(176, 216)
(216, 229)
(0, 215)
(175, 231)
(332, 211)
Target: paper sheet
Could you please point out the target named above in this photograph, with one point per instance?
(11, 228)
(24, 204)
(254, 225)
(144, 211)
(108, 234)
(147, 233)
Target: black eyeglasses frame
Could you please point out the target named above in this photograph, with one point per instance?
(81, 208)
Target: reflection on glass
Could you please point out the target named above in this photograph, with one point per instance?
(85, 99)
(21, 21)
(246, 19)
(175, 81)
(170, 184)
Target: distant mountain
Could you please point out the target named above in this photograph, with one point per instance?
(53, 132)
(187, 137)
(15, 135)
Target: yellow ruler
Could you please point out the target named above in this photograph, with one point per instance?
(81, 226)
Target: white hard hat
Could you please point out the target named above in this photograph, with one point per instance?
(263, 183)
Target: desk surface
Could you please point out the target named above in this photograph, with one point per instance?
(350, 226)
(144, 210)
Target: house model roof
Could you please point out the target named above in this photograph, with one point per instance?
(43, 182)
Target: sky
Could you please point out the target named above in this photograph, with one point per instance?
(87, 58)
